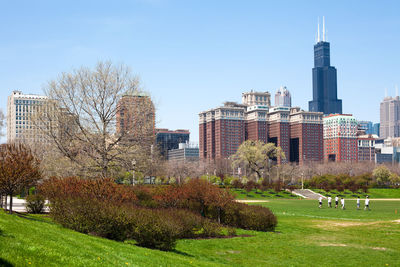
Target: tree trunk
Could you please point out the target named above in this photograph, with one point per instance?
(11, 203)
(1, 201)
(5, 202)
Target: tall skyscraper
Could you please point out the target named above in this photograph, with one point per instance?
(324, 79)
(283, 97)
(21, 110)
(390, 117)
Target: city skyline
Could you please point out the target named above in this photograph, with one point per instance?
(222, 49)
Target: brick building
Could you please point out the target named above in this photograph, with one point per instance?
(224, 129)
(135, 115)
(340, 138)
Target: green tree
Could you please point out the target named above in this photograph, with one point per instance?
(381, 174)
(256, 156)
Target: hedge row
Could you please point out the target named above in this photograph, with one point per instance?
(156, 217)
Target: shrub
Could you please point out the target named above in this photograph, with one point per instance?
(249, 217)
(35, 203)
(154, 229)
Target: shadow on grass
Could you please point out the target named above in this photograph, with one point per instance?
(181, 253)
(5, 263)
(31, 218)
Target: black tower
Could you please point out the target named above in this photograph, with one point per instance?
(324, 81)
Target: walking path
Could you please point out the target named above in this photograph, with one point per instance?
(19, 205)
(251, 200)
(307, 193)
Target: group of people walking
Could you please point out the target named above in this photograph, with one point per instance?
(342, 203)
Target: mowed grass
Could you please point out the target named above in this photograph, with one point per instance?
(305, 236)
(261, 195)
(372, 193)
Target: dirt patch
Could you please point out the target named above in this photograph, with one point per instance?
(397, 221)
(341, 224)
(378, 248)
(332, 245)
(251, 200)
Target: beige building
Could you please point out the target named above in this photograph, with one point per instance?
(21, 108)
(390, 117)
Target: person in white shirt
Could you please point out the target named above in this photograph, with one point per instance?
(342, 202)
(329, 202)
(367, 203)
(336, 202)
(320, 201)
(358, 203)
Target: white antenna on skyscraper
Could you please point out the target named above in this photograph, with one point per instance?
(323, 28)
(386, 92)
(397, 90)
(318, 39)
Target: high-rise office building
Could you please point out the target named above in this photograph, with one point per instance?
(324, 79)
(168, 139)
(283, 97)
(340, 138)
(135, 116)
(390, 117)
(21, 111)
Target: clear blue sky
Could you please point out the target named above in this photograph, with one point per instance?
(194, 55)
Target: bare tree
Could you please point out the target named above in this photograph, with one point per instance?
(89, 124)
(1, 122)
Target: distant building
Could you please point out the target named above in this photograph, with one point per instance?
(390, 117)
(256, 98)
(21, 110)
(387, 150)
(283, 97)
(324, 79)
(299, 133)
(184, 152)
(306, 136)
(366, 147)
(376, 129)
(222, 130)
(365, 126)
(167, 139)
(135, 116)
(340, 138)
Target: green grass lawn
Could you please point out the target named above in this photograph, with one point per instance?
(372, 193)
(261, 195)
(305, 236)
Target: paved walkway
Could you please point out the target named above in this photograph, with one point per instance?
(19, 205)
(251, 200)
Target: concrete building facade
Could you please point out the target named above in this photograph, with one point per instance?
(21, 110)
(390, 117)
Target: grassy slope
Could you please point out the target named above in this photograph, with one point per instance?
(305, 236)
(261, 195)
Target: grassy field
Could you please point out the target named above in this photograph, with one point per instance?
(305, 236)
(372, 193)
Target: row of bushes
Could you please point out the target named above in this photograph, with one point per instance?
(154, 216)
